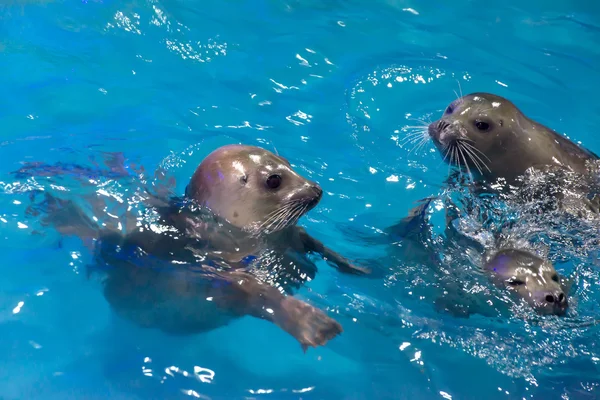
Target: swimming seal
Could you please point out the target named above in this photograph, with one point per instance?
(519, 270)
(534, 279)
(230, 247)
(491, 138)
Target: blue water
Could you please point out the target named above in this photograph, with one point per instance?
(329, 85)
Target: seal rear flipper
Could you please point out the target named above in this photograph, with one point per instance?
(412, 236)
(66, 217)
(414, 226)
(114, 162)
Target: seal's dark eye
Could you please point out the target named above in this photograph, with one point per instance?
(515, 282)
(555, 278)
(449, 109)
(482, 126)
(274, 181)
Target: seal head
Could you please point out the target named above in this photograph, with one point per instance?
(490, 137)
(533, 279)
(252, 188)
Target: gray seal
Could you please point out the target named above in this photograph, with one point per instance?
(491, 138)
(229, 248)
(532, 278)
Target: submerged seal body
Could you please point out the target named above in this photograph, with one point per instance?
(215, 251)
(491, 138)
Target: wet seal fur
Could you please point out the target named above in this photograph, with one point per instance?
(491, 138)
(229, 248)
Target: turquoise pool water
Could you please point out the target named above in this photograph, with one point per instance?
(331, 85)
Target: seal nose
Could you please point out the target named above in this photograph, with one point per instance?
(558, 300)
(316, 195)
(436, 128)
(433, 130)
(318, 191)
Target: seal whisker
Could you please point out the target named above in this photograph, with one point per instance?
(413, 137)
(298, 213)
(419, 120)
(275, 225)
(290, 217)
(475, 157)
(275, 213)
(282, 217)
(450, 151)
(276, 216)
(474, 151)
(280, 211)
(420, 145)
(272, 220)
(418, 142)
(446, 151)
(472, 158)
(464, 158)
(478, 151)
(412, 142)
(423, 126)
(455, 159)
(460, 99)
(414, 131)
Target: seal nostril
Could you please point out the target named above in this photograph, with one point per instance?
(561, 298)
(549, 298)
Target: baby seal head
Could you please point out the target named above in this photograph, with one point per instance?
(252, 188)
(532, 278)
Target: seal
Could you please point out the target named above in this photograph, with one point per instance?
(491, 138)
(536, 169)
(532, 278)
(517, 269)
(230, 247)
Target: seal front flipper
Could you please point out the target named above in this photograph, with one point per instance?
(412, 235)
(312, 245)
(247, 295)
(309, 325)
